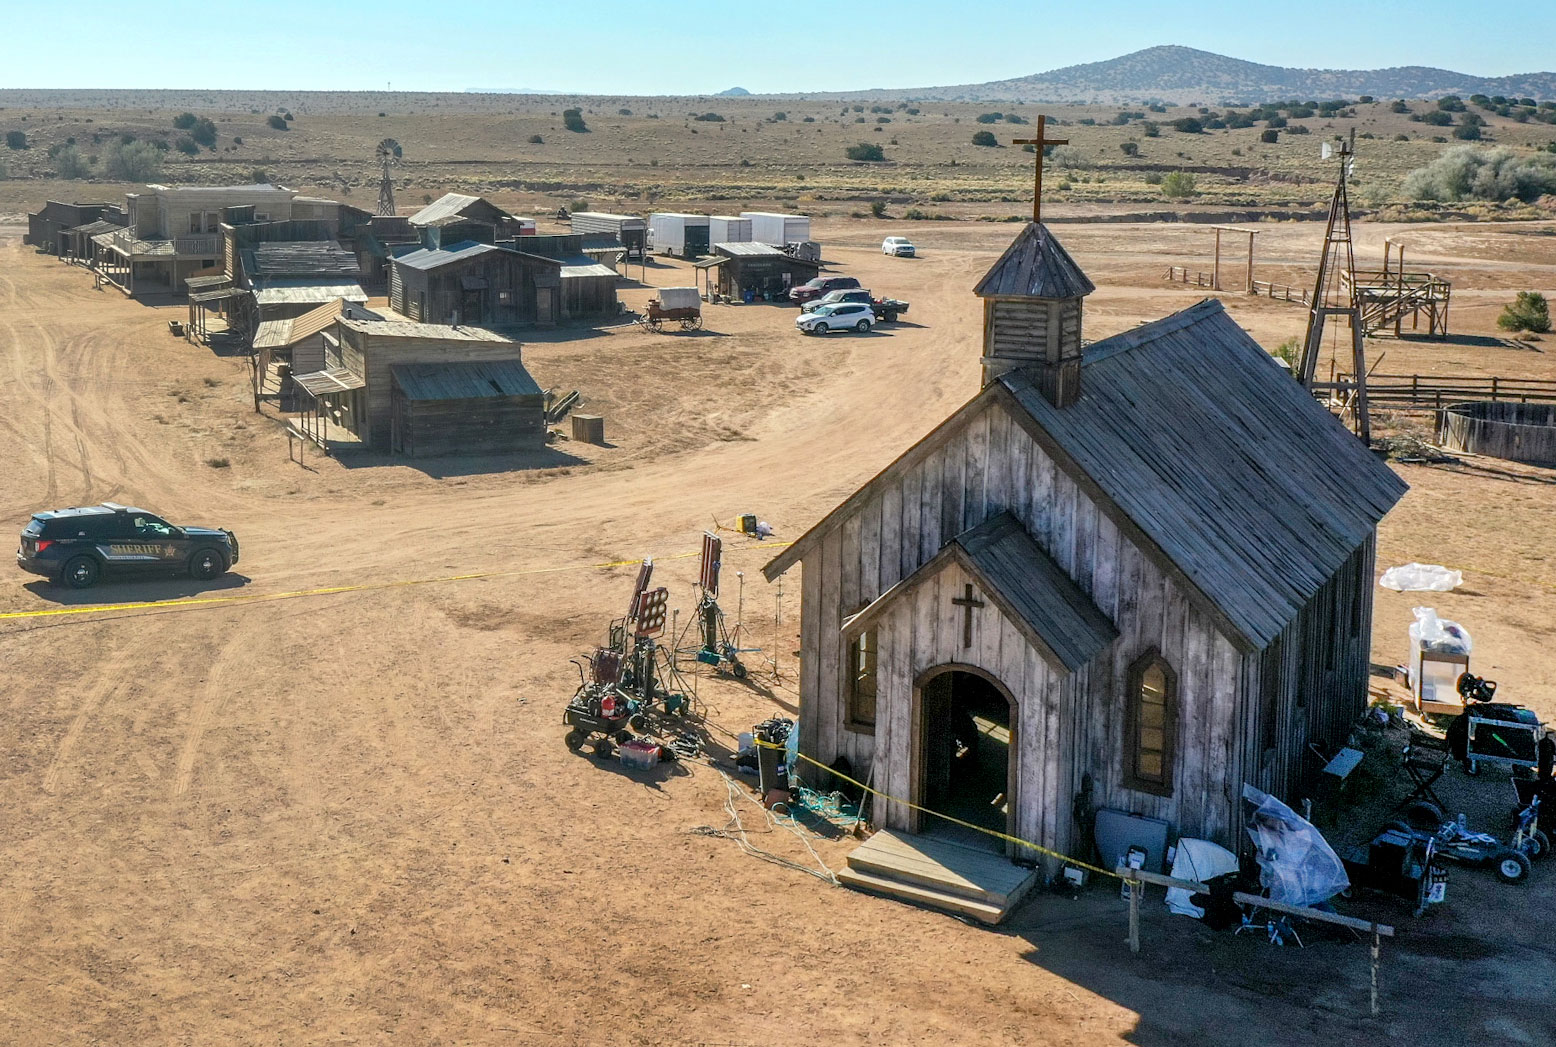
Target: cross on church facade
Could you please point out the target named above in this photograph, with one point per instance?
(967, 602)
(1039, 143)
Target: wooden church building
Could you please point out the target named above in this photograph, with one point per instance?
(1127, 575)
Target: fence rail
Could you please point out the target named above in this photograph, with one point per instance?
(1280, 292)
(1414, 392)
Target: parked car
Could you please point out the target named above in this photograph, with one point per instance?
(857, 316)
(812, 289)
(899, 247)
(852, 294)
(77, 547)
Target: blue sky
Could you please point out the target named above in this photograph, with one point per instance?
(701, 46)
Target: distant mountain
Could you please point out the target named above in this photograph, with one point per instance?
(510, 91)
(733, 92)
(1183, 75)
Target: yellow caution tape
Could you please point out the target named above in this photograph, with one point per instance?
(206, 601)
(1018, 841)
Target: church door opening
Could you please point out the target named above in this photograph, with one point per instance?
(964, 757)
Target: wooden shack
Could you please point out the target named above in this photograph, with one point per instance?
(1130, 576)
(471, 407)
(468, 283)
(457, 217)
(766, 272)
(370, 349)
(47, 225)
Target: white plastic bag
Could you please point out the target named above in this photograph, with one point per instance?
(1297, 865)
(1421, 577)
(1431, 633)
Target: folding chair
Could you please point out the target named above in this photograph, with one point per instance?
(1423, 770)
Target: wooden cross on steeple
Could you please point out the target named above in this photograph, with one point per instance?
(1039, 144)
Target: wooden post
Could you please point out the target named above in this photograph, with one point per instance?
(1136, 888)
(1215, 274)
(1376, 944)
(1250, 261)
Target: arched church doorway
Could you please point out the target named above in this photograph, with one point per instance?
(966, 768)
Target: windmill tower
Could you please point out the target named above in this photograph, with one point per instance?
(388, 156)
(1337, 283)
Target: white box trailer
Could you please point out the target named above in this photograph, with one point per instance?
(779, 230)
(728, 229)
(683, 235)
(630, 230)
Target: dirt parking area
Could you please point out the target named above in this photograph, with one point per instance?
(350, 818)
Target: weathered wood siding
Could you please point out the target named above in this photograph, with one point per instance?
(987, 466)
(1310, 685)
(485, 425)
(372, 357)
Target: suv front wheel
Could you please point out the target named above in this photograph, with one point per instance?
(206, 564)
(80, 572)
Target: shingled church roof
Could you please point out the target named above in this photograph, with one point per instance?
(1035, 266)
(1227, 470)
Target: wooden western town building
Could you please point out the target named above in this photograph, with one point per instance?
(419, 389)
(762, 271)
(1131, 575)
(532, 280)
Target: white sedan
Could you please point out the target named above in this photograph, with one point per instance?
(898, 247)
(844, 316)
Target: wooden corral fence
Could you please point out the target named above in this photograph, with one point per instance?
(1281, 292)
(1416, 392)
(1519, 432)
(1258, 288)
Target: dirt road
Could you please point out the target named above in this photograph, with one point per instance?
(350, 818)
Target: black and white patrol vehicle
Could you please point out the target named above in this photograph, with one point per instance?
(77, 547)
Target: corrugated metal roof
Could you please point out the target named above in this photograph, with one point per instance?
(93, 228)
(747, 249)
(446, 206)
(573, 272)
(607, 216)
(434, 258)
(278, 334)
(1035, 266)
(392, 328)
(198, 283)
(464, 380)
(331, 380)
(302, 292)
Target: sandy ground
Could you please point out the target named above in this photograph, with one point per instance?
(350, 818)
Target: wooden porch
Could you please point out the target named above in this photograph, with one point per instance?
(924, 870)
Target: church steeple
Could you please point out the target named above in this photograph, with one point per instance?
(1032, 303)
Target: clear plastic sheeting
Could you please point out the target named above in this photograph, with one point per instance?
(1438, 635)
(1200, 861)
(1296, 864)
(1421, 577)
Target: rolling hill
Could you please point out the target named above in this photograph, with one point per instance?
(1185, 75)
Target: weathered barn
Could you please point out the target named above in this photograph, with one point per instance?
(457, 217)
(763, 271)
(468, 283)
(363, 353)
(508, 283)
(471, 407)
(46, 226)
(1131, 576)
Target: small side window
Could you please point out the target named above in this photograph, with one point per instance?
(1151, 724)
(862, 682)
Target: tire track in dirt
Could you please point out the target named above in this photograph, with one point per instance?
(111, 676)
(236, 654)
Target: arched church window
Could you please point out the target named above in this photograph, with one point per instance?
(1151, 724)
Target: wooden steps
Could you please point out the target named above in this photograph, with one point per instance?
(923, 870)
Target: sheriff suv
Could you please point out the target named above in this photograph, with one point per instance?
(76, 547)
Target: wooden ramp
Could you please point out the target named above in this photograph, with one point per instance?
(923, 870)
